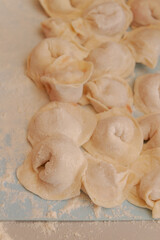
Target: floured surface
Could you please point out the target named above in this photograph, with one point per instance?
(82, 230)
(19, 100)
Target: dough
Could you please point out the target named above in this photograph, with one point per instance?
(70, 119)
(102, 21)
(54, 169)
(57, 65)
(113, 58)
(60, 8)
(146, 93)
(107, 92)
(106, 185)
(146, 193)
(108, 17)
(116, 135)
(145, 12)
(150, 125)
(144, 44)
(57, 27)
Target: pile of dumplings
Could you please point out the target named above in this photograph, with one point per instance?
(86, 138)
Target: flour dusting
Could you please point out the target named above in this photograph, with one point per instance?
(97, 211)
(3, 233)
(52, 214)
(75, 203)
(47, 228)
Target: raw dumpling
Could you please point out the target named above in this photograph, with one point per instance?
(57, 27)
(150, 125)
(64, 8)
(149, 191)
(57, 65)
(60, 7)
(106, 185)
(145, 12)
(66, 81)
(50, 50)
(54, 169)
(146, 93)
(108, 17)
(70, 119)
(144, 44)
(113, 58)
(107, 92)
(116, 135)
(102, 21)
(146, 193)
(77, 31)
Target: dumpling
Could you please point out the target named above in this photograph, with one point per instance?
(57, 27)
(116, 135)
(77, 30)
(150, 125)
(107, 92)
(146, 193)
(146, 93)
(145, 12)
(144, 44)
(105, 184)
(72, 120)
(54, 169)
(66, 82)
(50, 50)
(60, 8)
(57, 65)
(108, 17)
(64, 8)
(113, 58)
(149, 191)
(102, 21)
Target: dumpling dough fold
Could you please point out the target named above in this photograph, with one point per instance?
(146, 93)
(150, 125)
(66, 80)
(69, 119)
(108, 17)
(112, 58)
(61, 8)
(145, 12)
(146, 193)
(116, 135)
(54, 169)
(58, 65)
(107, 92)
(144, 44)
(102, 21)
(65, 9)
(106, 185)
(57, 27)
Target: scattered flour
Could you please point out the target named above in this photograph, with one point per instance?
(52, 214)
(97, 211)
(75, 203)
(47, 228)
(76, 234)
(3, 233)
